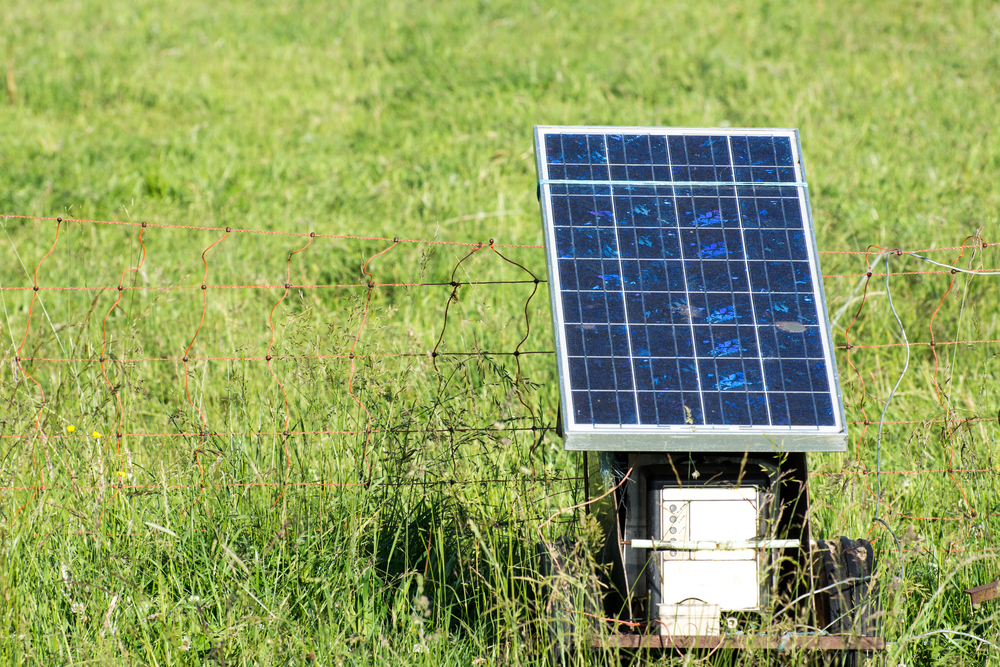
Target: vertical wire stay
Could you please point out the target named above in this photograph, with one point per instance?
(365, 464)
(203, 423)
(41, 435)
(104, 345)
(270, 348)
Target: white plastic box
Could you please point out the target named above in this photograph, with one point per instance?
(725, 579)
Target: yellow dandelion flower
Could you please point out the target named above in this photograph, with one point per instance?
(70, 428)
(95, 434)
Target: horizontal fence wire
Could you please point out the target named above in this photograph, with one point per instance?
(432, 354)
(528, 423)
(235, 230)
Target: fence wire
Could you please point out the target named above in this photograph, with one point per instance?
(376, 408)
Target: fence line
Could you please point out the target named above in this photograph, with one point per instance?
(947, 415)
(432, 353)
(235, 230)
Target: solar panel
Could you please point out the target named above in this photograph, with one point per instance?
(686, 291)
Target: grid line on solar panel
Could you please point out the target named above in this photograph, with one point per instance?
(665, 290)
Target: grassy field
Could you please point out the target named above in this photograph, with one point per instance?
(397, 522)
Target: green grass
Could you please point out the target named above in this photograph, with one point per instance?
(413, 120)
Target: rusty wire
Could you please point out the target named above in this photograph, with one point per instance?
(849, 348)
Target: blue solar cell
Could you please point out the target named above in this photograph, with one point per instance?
(598, 149)
(761, 150)
(677, 151)
(616, 308)
(570, 306)
(578, 372)
(790, 309)
(553, 149)
(601, 375)
(594, 308)
(777, 406)
(581, 407)
(647, 407)
(802, 409)
(620, 345)
(574, 340)
(740, 151)
(567, 275)
(801, 277)
(793, 213)
(597, 340)
(692, 302)
(786, 174)
(757, 406)
(783, 151)
(699, 150)
(642, 371)
(586, 242)
(824, 409)
(657, 243)
(669, 341)
(735, 411)
(774, 245)
(818, 373)
(627, 408)
(639, 172)
(637, 149)
(616, 148)
(797, 245)
(604, 406)
(623, 373)
(667, 375)
(658, 149)
(631, 276)
(575, 150)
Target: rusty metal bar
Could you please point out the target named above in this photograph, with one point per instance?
(712, 545)
(786, 641)
(980, 594)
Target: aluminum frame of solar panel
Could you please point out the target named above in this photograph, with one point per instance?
(728, 166)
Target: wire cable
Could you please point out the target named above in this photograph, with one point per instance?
(881, 421)
(924, 635)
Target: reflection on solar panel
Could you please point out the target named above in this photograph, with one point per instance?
(686, 291)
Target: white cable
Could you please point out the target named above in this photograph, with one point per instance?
(950, 632)
(954, 269)
(881, 421)
(885, 408)
(878, 447)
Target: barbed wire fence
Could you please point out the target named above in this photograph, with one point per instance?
(157, 425)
